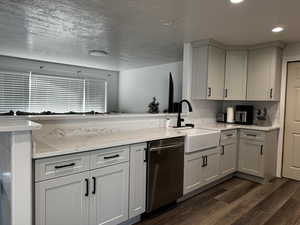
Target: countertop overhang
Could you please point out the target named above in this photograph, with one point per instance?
(13, 125)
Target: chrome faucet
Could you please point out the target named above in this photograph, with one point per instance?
(179, 119)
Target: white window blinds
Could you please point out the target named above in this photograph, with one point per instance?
(14, 92)
(38, 93)
(95, 95)
(55, 94)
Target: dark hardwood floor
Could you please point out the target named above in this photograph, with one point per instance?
(237, 202)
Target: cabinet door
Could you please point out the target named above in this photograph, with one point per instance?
(137, 192)
(236, 75)
(109, 195)
(63, 200)
(193, 164)
(216, 73)
(211, 169)
(259, 69)
(251, 158)
(228, 161)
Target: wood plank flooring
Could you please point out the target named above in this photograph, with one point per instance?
(237, 202)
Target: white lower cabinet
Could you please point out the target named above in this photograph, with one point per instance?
(193, 164)
(251, 157)
(63, 200)
(228, 160)
(211, 168)
(109, 192)
(201, 168)
(109, 195)
(137, 192)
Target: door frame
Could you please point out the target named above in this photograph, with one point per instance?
(280, 150)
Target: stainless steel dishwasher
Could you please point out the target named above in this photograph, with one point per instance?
(164, 172)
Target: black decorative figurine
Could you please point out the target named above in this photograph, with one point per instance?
(153, 106)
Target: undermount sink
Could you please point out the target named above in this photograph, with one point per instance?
(200, 139)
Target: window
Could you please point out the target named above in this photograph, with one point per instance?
(38, 93)
(95, 93)
(56, 94)
(14, 93)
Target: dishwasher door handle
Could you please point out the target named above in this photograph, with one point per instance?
(166, 147)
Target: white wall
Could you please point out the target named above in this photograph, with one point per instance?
(137, 87)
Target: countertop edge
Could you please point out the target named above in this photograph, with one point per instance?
(37, 156)
(19, 126)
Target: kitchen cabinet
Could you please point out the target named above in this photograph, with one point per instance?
(211, 168)
(63, 200)
(236, 75)
(251, 158)
(208, 72)
(201, 168)
(193, 164)
(264, 74)
(99, 195)
(228, 154)
(258, 153)
(109, 195)
(137, 192)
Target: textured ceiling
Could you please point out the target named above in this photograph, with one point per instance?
(136, 32)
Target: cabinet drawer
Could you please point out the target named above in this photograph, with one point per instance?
(61, 166)
(109, 156)
(252, 135)
(228, 137)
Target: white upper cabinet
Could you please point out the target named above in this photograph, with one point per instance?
(236, 75)
(251, 73)
(264, 74)
(208, 72)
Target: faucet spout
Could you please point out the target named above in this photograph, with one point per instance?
(179, 119)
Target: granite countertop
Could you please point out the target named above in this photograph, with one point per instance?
(224, 126)
(11, 125)
(57, 145)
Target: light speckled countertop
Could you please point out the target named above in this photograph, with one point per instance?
(225, 126)
(54, 146)
(12, 125)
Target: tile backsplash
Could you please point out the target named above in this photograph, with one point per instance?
(273, 109)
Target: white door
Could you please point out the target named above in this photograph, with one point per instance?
(228, 160)
(216, 73)
(259, 69)
(109, 195)
(251, 157)
(137, 187)
(63, 200)
(236, 75)
(211, 168)
(193, 164)
(291, 156)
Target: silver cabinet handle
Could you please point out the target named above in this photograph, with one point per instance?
(226, 93)
(261, 149)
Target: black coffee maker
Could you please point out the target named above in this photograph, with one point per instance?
(244, 114)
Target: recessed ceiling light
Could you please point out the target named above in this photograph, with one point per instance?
(236, 1)
(277, 29)
(98, 53)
